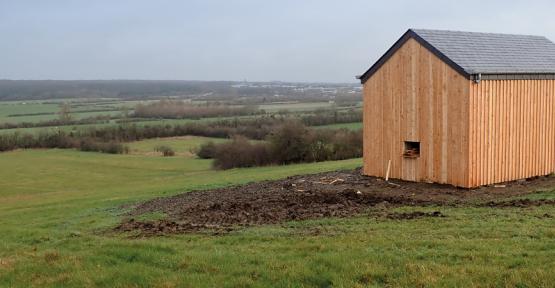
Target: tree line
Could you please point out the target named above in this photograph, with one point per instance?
(174, 109)
(111, 139)
(290, 142)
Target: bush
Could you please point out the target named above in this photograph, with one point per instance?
(241, 153)
(165, 150)
(207, 150)
(347, 144)
(89, 144)
(290, 142)
(114, 148)
(333, 116)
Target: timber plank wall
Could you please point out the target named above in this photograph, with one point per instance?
(512, 130)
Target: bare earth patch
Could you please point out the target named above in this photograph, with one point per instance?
(331, 194)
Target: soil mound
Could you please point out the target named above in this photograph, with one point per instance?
(332, 194)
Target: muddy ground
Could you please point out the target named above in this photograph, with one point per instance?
(331, 194)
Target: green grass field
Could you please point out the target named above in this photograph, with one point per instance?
(52, 107)
(80, 108)
(88, 126)
(300, 106)
(57, 208)
(9, 108)
(350, 126)
(183, 146)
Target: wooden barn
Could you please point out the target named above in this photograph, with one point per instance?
(461, 108)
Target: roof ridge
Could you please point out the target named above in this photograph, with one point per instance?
(475, 32)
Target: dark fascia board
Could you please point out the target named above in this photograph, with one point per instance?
(411, 34)
(515, 76)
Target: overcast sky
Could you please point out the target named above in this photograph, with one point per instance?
(288, 40)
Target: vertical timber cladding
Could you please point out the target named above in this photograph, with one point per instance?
(415, 96)
(512, 130)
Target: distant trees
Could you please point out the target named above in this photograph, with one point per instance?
(59, 139)
(202, 90)
(110, 147)
(65, 112)
(207, 150)
(166, 151)
(58, 122)
(125, 116)
(122, 89)
(332, 116)
(185, 110)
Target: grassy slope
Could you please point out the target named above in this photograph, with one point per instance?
(56, 206)
(184, 144)
(53, 203)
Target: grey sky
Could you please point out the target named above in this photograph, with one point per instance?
(328, 41)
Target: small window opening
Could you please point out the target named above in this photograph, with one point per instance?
(412, 149)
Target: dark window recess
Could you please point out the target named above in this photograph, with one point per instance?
(412, 149)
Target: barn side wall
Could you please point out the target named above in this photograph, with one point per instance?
(415, 96)
(512, 130)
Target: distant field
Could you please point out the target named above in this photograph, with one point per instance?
(75, 115)
(8, 108)
(138, 123)
(27, 108)
(23, 111)
(295, 106)
(181, 145)
(350, 126)
(52, 107)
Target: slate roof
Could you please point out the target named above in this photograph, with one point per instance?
(473, 53)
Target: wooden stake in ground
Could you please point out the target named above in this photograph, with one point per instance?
(387, 172)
